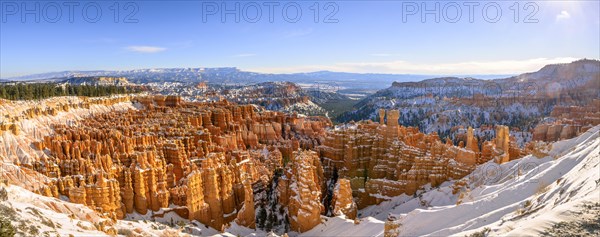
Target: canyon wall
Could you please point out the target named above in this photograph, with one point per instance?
(568, 122)
(300, 190)
(202, 157)
(385, 160)
(220, 162)
(25, 123)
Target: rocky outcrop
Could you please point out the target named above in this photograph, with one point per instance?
(342, 201)
(16, 112)
(219, 162)
(299, 190)
(383, 161)
(246, 215)
(199, 160)
(391, 227)
(568, 122)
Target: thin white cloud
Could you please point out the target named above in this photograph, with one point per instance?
(563, 15)
(145, 49)
(405, 67)
(243, 55)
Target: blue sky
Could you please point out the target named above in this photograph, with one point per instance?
(369, 36)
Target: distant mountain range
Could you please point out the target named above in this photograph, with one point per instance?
(350, 82)
(442, 104)
(340, 80)
(579, 75)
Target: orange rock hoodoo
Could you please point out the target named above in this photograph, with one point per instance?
(204, 161)
(300, 190)
(383, 161)
(571, 121)
(25, 112)
(342, 199)
(203, 158)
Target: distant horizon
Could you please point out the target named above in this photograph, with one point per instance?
(484, 76)
(390, 37)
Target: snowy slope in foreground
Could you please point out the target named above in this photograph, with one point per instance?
(521, 197)
(35, 215)
(518, 198)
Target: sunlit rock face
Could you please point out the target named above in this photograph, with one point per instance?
(343, 204)
(203, 158)
(23, 127)
(246, 215)
(385, 160)
(569, 122)
(300, 190)
(220, 162)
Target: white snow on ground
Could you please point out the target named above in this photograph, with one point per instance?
(55, 216)
(339, 226)
(17, 149)
(521, 197)
(46, 213)
(518, 198)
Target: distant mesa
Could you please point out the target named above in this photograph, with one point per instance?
(98, 81)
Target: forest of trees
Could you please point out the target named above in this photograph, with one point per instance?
(35, 91)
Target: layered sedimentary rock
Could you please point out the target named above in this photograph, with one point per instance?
(382, 161)
(207, 161)
(11, 121)
(201, 157)
(25, 123)
(300, 190)
(246, 215)
(342, 201)
(391, 227)
(569, 122)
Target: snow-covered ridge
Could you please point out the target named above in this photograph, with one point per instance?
(31, 214)
(521, 197)
(443, 104)
(17, 149)
(277, 96)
